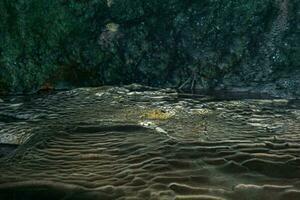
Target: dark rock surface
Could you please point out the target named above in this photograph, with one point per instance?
(6, 149)
(250, 46)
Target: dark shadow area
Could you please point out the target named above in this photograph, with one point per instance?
(45, 190)
(6, 149)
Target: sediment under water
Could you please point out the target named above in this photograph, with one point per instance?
(122, 143)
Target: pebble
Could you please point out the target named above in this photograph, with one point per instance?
(152, 125)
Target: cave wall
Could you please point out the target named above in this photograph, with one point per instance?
(210, 44)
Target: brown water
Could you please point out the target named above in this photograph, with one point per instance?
(114, 143)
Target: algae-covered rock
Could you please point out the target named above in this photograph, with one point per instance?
(185, 44)
(157, 114)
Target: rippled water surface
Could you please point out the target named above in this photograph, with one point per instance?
(128, 143)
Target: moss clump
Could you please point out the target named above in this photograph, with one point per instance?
(157, 114)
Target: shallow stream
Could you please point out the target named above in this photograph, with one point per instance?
(140, 143)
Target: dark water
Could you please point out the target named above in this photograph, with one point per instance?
(115, 143)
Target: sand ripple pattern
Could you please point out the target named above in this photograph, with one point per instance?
(248, 150)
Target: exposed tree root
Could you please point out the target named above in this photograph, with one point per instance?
(192, 80)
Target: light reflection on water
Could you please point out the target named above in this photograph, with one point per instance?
(87, 144)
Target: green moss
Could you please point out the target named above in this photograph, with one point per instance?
(152, 42)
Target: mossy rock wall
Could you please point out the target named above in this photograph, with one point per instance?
(208, 44)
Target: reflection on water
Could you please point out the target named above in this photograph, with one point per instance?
(125, 143)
